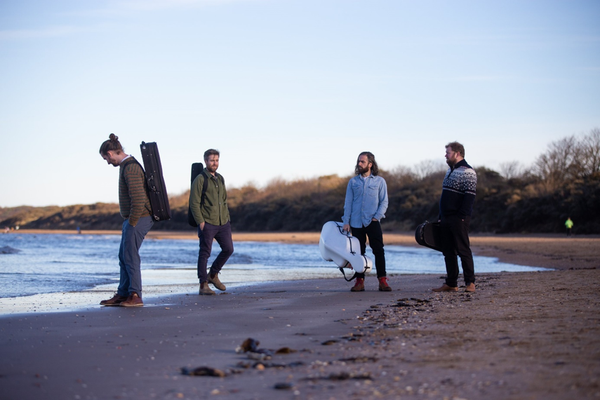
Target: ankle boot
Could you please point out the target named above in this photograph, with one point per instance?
(359, 286)
(383, 285)
(205, 290)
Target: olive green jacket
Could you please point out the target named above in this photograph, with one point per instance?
(214, 208)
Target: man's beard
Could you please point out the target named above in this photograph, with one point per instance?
(362, 171)
(451, 162)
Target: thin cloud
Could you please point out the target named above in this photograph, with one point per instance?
(113, 8)
(479, 78)
(125, 8)
(152, 5)
(51, 32)
(163, 4)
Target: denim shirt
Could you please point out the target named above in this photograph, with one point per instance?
(366, 198)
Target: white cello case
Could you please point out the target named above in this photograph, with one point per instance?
(342, 248)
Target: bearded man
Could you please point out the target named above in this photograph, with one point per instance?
(456, 207)
(365, 206)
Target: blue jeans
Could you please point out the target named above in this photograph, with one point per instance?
(220, 233)
(129, 256)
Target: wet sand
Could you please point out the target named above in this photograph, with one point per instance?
(531, 335)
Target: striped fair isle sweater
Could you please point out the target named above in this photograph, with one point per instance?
(458, 191)
(133, 198)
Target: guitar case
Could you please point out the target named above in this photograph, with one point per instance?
(157, 191)
(428, 234)
(196, 170)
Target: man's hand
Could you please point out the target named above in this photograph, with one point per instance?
(346, 228)
(201, 225)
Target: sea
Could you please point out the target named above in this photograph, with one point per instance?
(32, 264)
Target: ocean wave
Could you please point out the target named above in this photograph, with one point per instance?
(8, 250)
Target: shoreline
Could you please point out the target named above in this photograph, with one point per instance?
(157, 284)
(544, 250)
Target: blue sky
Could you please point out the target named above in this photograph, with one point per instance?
(283, 88)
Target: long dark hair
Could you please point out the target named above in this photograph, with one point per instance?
(112, 144)
(371, 159)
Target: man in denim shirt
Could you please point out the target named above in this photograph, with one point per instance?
(365, 205)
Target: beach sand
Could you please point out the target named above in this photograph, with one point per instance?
(530, 335)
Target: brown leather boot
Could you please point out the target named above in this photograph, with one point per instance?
(116, 300)
(359, 286)
(205, 290)
(383, 285)
(216, 282)
(470, 287)
(134, 300)
(445, 288)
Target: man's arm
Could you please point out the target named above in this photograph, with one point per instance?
(134, 177)
(383, 201)
(469, 189)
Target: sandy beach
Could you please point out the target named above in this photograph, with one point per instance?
(531, 335)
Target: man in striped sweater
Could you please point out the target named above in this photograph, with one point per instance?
(456, 206)
(135, 209)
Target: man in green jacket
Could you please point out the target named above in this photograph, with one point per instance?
(212, 216)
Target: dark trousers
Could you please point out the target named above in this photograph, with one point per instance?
(220, 233)
(455, 241)
(375, 234)
(129, 256)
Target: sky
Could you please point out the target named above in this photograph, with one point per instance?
(285, 89)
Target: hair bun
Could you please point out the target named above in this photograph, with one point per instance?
(113, 137)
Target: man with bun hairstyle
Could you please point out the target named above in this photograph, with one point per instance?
(135, 209)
